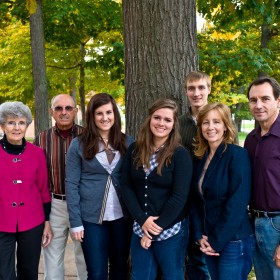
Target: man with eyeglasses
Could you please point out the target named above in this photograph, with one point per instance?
(56, 141)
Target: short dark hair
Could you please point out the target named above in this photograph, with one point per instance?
(266, 79)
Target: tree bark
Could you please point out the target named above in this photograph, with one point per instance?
(266, 36)
(82, 82)
(73, 91)
(160, 49)
(39, 70)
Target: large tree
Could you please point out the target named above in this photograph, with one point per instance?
(39, 67)
(160, 49)
(32, 10)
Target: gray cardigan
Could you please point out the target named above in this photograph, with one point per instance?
(87, 183)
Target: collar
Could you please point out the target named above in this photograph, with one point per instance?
(274, 130)
(11, 148)
(71, 131)
(220, 150)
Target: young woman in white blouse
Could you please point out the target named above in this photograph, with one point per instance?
(93, 191)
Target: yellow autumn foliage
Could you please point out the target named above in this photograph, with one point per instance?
(31, 6)
(225, 36)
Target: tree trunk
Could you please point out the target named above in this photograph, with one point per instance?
(39, 70)
(73, 90)
(160, 49)
(82, 83)
(266, 36)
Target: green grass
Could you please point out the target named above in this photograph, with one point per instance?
(252, 275)
(242, 136)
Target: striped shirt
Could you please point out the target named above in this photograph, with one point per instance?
(56, 147)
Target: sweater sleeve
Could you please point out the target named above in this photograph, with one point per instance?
(235, 208)
(73, 175)
(47, 210)
(42, 177)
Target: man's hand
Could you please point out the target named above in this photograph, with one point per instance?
(47, 234)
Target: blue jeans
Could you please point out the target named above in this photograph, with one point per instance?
(196, 268)
(169, 254)
(267, 231)
(235, 260)
(107, 244)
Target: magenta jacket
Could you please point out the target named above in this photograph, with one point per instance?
(23, 189)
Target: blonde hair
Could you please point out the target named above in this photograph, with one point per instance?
(201, 144)
(143, 148)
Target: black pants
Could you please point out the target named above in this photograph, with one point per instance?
(27, 246)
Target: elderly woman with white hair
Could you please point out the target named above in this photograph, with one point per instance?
(24, 196)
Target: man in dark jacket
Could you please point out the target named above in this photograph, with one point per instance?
(198, 87)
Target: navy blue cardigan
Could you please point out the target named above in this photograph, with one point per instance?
(164, 196)
(221, 213)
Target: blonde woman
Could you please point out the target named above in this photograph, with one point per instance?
(222, 185)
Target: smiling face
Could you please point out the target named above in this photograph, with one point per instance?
(161, 125)
(197, 92)
(213, 128)
(14, 129)
(263, 105)
(104, 119)
(63, 111)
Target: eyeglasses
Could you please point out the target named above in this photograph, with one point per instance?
(60, 108)
(21, 124)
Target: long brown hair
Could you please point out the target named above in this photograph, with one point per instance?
(201, 144)
(90, 137)
(143, 148)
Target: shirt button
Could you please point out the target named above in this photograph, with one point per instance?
(14, 204)
(145, 204)
(15, 182)
(146, 187)
(145, 195)
(21, 203)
